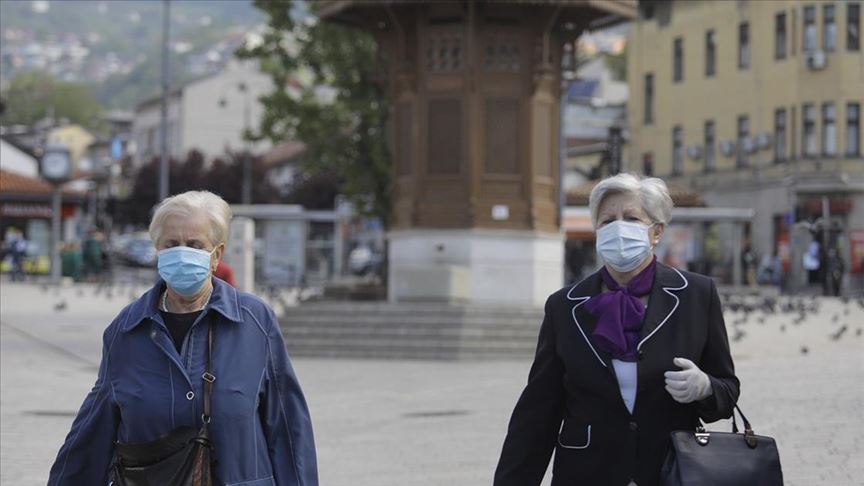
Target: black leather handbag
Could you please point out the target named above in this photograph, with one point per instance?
(722, 459)
(183, 457)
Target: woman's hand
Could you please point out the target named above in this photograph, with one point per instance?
(689, 385)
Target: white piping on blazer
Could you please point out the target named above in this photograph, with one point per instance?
(561, 429)
(584, 298)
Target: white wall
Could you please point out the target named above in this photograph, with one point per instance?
(147, 119)
(211, 128)
(14, 160)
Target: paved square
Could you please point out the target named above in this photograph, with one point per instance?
(435, 423)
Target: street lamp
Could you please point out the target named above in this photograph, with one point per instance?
(56, 168)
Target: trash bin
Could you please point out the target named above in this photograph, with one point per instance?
(70, 264)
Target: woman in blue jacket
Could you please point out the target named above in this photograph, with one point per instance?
(155, 352)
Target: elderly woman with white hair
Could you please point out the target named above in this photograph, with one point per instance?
(195, 385)
(632, 352)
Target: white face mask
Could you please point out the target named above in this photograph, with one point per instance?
(623, 244)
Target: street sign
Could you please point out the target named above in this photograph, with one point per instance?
(116, 149)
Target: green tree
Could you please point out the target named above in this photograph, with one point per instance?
(617, 63)
(339, 113)
(34, 95)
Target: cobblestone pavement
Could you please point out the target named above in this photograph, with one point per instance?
(435, 423)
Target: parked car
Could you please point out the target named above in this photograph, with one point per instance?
(363, 261)
(140, 252)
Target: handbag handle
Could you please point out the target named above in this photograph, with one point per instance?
(208, 376)
(702, 434)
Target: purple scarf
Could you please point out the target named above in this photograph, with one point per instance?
(620, 313)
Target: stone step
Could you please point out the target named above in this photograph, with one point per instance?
(412, 331)
(415, 350)
(431, 332)
(415, 321)
(410, 309)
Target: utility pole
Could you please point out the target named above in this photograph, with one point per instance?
(246, 195)
(163, 121)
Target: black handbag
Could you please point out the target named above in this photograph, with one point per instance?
(721, 459)
(183, 457)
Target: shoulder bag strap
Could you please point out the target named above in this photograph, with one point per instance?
(208, 376)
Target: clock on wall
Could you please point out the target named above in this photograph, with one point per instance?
(56, 164)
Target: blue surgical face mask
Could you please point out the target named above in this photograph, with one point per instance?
(184, 269)
(623, 244)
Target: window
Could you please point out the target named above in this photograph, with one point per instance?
(779, 135)
(780, 36)
(829, 28)
(743, 140)
(809, 29)
(808, 134)
(677, 150)
(710, 53)
(678, 56)
(829, 130)
(648, 163)
(649, 99)
(743, 45)
(853, 27)
(853, 129)
(709, 146)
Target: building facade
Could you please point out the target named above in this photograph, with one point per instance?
(756, 105)
(208, 114)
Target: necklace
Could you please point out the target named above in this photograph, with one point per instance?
(165, 301)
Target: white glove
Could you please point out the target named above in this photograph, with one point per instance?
(689, 385)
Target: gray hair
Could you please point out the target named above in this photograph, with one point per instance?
(194, 204)
(652, 191)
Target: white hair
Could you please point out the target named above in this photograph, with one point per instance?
(652, 192)
(194, 204)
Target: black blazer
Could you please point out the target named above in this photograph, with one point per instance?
(572, 403)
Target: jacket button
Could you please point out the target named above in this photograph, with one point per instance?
(640, 356)
(634, 426)
(190, 395)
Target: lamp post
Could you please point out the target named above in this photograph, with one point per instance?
(163, 102)
(56, 167)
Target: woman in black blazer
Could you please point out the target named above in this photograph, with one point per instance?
(632, 352)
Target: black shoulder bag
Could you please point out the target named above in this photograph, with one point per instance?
(183, 457)
(722, 459)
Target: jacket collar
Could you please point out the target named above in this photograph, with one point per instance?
(225, 300)
(663, 302)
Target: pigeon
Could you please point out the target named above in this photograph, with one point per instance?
(44, 288)
(783, 328)
(859, 332)
(761, 320)
(804, 350)
(837, 335)
(739, 334)
(835, 317)
(60, 306)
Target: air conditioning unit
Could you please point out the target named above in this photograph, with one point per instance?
(763, 140)
(694, 152)
(816, 60)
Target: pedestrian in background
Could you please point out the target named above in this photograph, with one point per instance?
(155, 354)
(225, 273)
(636, 350)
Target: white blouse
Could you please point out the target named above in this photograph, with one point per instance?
(626, 373)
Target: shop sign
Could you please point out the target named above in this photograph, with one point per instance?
(19, 210)
(856, 250)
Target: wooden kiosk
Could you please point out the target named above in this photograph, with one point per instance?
(475, 88)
